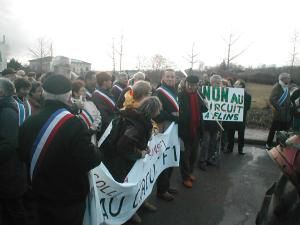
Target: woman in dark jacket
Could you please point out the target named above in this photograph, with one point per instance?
(136, 130)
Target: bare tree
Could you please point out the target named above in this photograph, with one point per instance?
(232, 40)
(42, 49)
(113, 56)
(294, 53)
(192, 58)
(120, 52)
(158, 62)
(141, 62)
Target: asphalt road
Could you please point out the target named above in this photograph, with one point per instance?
(229, 195)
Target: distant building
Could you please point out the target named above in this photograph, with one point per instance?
(3, 57)
(40, 65)
(80, 67)
(43, 65)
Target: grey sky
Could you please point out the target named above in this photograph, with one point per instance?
(84, 29)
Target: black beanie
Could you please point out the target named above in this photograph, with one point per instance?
(57, 84)
(192, 79)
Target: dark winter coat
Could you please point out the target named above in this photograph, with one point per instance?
(12, 170)
(107, 111)
(281, 112)
(168, 108)
(185, 116)
(115, 91)
(62, 176)
(135, 133)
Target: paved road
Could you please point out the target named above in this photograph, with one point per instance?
(229, 195)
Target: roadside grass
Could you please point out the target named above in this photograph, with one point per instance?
(260, 113)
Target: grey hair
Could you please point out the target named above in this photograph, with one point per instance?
(215, 77)
(150, 106)
(7, 87)
(64, 98)
(282, 75)
(141, 89)
(139, 76)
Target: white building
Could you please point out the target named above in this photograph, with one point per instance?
(43, 65)
(80, 67)
(3, 57)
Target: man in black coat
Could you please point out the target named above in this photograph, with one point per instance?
(58, 169)
(12, 171)
(191, 108)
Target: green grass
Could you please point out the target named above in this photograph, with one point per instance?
(260, 95)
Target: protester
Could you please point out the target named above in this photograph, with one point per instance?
(126, 91)
(36, 97)
(119, 85)
(31, 76)
(167, 94)
(23, 88)
(21, 74)
(56, 147)
(103, 99)
(87, 109)
(281, 106)
(12, 171)
(90, 84)
(135, 131)
(210, 145)
(239, 126)
(295, 99)
(191, 108)
(10, 74)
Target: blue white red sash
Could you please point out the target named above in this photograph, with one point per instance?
(106, 98)
(22, 110)
(283, 96)
(170, 97)
(117, 86)
(88, 94)
(87, 118)
(46, 135)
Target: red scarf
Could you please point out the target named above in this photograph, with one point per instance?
(195, 114)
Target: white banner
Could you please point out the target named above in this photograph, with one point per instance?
(225, 104)
(112, 203)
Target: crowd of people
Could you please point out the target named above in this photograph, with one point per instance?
(50, 126)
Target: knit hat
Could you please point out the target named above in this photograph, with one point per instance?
(57, 84)
(192, 79)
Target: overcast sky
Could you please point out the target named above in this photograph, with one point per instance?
(84, 29)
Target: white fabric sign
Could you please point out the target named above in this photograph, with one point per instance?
(112, 203)
(225, 104)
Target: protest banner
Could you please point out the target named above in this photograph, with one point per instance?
(225, 104)
(112, 203)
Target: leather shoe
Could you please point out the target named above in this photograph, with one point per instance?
(136, 219)
(149, 207)
(242, 153)
(192, 178)
(188, 183)
(173, 191)
(166, 196)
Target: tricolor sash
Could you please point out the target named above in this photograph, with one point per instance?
(106, 98)
(22, 110)
(45, 136)
(170, 97)
(88, 94)
(87, 118)
(283, 96)
(117, 86)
